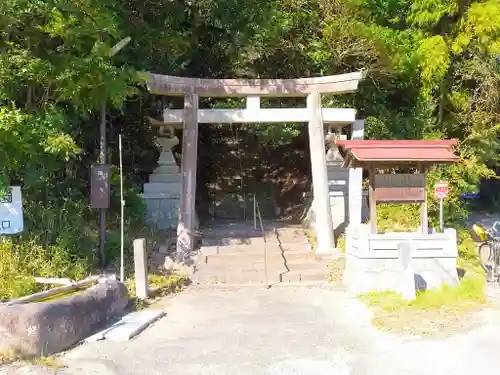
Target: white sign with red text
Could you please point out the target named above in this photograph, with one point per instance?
(441, 189)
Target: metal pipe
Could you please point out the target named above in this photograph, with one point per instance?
(54, 291)
(254, 213)
(122, 209)
(53, 280)
(102, 160)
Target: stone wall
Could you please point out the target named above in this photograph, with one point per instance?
(372, 260)
(44, 328)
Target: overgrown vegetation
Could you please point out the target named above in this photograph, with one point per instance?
(433, 72)
(159, 286)
(435, 311)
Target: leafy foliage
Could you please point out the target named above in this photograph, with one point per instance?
(432, 72)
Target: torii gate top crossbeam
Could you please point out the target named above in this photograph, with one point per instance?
(297, 87)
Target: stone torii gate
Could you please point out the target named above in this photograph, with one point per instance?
(253, 89)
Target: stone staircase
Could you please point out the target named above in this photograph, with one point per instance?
(235, 253)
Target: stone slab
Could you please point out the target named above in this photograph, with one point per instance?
(166, 158)
(162, 213)
(133, 324)
(304, 276)
(44, 328)
(165, 177)
(101, 335)
(161, 187)
(167, 169)
(235, 241)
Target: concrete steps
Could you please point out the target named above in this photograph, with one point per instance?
(234, 254)
(233, 241)
(304, 276)
(241, 277)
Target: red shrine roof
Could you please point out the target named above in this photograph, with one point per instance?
(431, 151)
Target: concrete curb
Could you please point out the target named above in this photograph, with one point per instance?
(44, 328)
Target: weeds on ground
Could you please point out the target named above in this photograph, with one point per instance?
(9, 356)
(50, 362)
(434, 311)
(311, 238)
(336, 270)
(159, 286)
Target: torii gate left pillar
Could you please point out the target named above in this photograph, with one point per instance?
(187, 214)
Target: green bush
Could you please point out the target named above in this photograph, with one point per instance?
(60, 240)
(14, 282)
(467, 249)
(20, 262)
(398, 217)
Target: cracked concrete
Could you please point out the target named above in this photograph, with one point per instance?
(281, 331)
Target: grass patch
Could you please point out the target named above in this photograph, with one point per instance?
(9, 356)
(311, 238)
(159, 286)
(50, 362)
(435, 311)
(12, 355)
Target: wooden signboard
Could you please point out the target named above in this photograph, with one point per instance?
(399, 188)
(99, 185)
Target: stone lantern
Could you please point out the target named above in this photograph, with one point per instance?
(162, 192)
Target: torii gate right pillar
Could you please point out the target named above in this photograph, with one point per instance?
(321, 199)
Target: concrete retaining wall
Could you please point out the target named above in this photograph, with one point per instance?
(44, 328)
(372, 260)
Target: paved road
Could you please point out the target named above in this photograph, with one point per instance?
(282, 331)
(485, 219)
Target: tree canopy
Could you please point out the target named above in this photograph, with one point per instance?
(433, 71)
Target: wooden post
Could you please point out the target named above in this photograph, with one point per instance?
(187, 214)
(321, 200)
(141, 268)
(424, 223)
(371, 199)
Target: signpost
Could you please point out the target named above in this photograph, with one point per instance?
(11, 211)
(441, 191)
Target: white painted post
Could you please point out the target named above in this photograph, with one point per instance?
(406, 284)
(441, 215)
(321, 200)
(187, 214)
(356, 181)
(140, 268)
